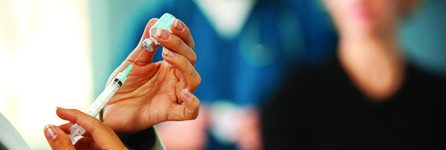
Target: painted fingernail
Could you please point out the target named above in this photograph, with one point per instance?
(168, 53)
(187, 93)
(179, 25)
(50, 132)
(162, 34)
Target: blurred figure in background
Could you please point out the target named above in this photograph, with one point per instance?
(369, 97)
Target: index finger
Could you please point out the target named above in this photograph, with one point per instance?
(98, 131)
(57, 139)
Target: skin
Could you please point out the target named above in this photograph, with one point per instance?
(154, 92)
(98, 135)
(369, 50)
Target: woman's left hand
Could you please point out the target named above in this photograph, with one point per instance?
(154, 92)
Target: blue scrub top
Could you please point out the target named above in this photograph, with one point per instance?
(279, 35)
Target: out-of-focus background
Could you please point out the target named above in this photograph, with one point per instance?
(60, 53)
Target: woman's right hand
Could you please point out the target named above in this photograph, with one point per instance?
(97, 136)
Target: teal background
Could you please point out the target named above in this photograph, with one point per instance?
(423, 35)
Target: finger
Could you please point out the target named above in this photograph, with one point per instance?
(188, 111)
(98, 131)
(145, 57)
(181, 30)
(57, 138)
(176, 44)
(179, 87)
(85, 143)
(66, 128)
(191, 76)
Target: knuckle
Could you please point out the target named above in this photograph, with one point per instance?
(195, 116)
(87, 121)
(197, 103)
(193, 109)
(197, 110)
(198, 78)
(193, 58)
(194, 80)
(194, 86)
(195, 83)
(177, 42)
(192, 44)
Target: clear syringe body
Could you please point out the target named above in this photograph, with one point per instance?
(100, 102)
(163, 23)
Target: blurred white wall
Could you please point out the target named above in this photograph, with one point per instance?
(44, 62)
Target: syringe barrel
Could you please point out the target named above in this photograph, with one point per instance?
(98, 105)
(103, 98)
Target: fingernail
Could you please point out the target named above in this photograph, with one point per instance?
(61, 109)
(162, 34)
(168, 53)
(50, 132)
(187, 93)
(179, 25)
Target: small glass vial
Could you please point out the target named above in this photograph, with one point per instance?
(164, 22)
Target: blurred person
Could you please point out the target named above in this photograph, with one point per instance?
(369, 97)
(154, 92)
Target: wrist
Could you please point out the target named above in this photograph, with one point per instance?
(140, 140)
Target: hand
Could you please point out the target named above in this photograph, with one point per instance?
(175, 136)
(154, 92)
(98, 136)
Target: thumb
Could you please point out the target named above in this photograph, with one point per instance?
(189, 111)
(57, 138)
(192, 104)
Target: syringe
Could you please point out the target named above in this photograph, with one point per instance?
(77, 131)
(164, 22)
